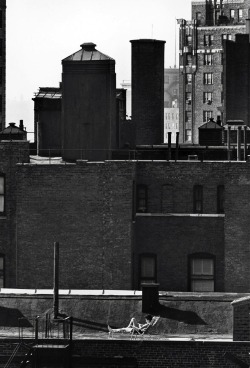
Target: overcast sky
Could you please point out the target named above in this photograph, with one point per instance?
(40, 33)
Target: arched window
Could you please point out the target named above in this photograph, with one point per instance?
(147, 268)
(202, 272)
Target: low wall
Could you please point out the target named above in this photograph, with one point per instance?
(145, 354)
(181, 313)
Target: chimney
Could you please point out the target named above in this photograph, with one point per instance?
(21, 124)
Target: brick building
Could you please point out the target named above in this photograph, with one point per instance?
(121, 223)
(202, 64)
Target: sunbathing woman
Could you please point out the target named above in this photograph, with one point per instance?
(133, 325)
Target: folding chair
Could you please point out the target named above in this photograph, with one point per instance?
(136, 333)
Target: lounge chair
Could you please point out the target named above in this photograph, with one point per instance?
(135, 333)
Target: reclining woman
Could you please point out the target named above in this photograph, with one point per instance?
(133, 326)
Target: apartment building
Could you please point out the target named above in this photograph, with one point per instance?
(202, 63)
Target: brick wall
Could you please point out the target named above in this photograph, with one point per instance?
(87, 208)
(11, 152)
(241, 320)
(181, 354)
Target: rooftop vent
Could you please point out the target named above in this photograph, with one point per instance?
(88, 46)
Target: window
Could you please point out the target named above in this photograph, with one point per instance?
(147, 269)
(189, 60)
(189, 40)
(201, 274)
(198, 199)
(189, 78)
(207, 115)
(198, 17)
(232, 14)
(2, 194)
(208, 59)
(188, 117)
(208, 97)
(226, 37)
(240, 14)
(208, 78)
(188, 135)
(188, 98)
(141, 198)
(208, 40)
(220, 198)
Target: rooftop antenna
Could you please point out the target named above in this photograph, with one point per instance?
(175, 42)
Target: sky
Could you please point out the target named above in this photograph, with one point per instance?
(40, 33)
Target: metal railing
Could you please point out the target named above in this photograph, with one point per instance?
(39, 328)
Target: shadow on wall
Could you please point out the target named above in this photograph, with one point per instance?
(91, 325)
(188, 317)
(12, 317)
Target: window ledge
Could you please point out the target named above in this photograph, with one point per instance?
(180, 215)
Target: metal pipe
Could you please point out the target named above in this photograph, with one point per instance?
(56, 279)
(245, 143)
(238, 143)
(177, 146)
(169, 145)
(228, 144)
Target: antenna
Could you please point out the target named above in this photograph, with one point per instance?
(175, 42)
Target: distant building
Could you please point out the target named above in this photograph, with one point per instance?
(171, 102)
(202, 64)
(2, 63)
(126, 84)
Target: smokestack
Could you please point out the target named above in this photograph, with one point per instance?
(21, 124)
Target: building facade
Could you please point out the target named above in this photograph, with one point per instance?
(202, 64)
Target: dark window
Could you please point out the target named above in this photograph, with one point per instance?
(2, 283)
(208, 59)
(141, 198)
(207, 115)
(2, 194)
(220, 198)
(198, 199)
(147, 269)
(208, 97)
(208, 78)
(1, 103)
(201, 272)
(1, 47)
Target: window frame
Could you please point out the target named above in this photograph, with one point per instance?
(189, 78)
(208, 78)
(149, 278)
(208, 39)
(207, 114)
(188, 135)
(197, 198)
(138, 198)
(191, 277)
(206, 60)
(208, 97)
